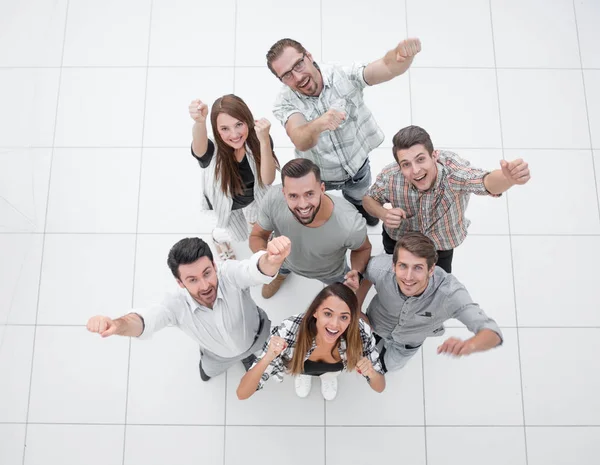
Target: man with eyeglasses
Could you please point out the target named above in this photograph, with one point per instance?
(324, 113)
(428, 191)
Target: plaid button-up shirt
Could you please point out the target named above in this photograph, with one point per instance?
(288, 330)
(438, 213)
(339, 154)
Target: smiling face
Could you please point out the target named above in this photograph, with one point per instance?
(418, 166)
(298, 72)
(200, 280)
(233, 131)
(412, 274)
(332, 319)
(303, 196)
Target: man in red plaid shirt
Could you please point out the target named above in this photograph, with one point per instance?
(428, 191)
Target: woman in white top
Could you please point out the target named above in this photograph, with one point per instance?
(238, 166)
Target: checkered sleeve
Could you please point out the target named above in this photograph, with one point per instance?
(380, 190)
(284, 108)
(464, 177)
(370, 347)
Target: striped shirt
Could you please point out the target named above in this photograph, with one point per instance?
(439, 213)
(289, 329)
(339, 154)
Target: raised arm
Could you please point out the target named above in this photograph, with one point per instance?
(305, 135)
(267, 160)
(258, 238)
(251, 380)
(130, 325)
(199, 112)
(509, 174)
(394, 63)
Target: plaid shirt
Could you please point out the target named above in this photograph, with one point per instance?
(438, 213)
(339, 154)
(288, 330)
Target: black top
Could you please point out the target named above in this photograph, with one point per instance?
(247, 196)
(318, 368)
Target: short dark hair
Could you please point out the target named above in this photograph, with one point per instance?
(187, 251)
(406, 137)
(277, 49)
(298, 168)
(417, 244)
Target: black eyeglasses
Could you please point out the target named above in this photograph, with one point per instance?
(298, 67)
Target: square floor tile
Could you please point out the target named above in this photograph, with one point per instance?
(171, 194)
(544, 298)
(499, 445)
(588, 16)
(192, 33)
(490, 286)
(80, 198)
(19, 277)
(12, 443)
(550, 355)
(563, 446)
(592, 92)
(539, 208)
(46, 444)
(525, 38)
(240, 440)
(341, 21)
(165, 385)
(457, 107)
(401, 403)
(28, 110)
(399, 445)
(85, 275)
(453, 34)
(267, 21)
(258, 409)
(553, 99)
(32, 32)
(170, 90)
(89, 42)
(183, 445)
(101, 107)
(78, 377)
(483, 388)
(16, 348)
(24, 177)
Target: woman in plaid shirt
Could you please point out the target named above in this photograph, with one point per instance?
(328, 338)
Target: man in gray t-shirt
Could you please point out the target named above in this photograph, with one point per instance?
(414, 298)
(321, 228)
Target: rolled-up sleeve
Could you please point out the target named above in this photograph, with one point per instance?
(370, 347)
(465, 178)
(284, 108)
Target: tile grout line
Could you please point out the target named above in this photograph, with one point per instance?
(587, 111)
(37, 310)
(512, 261)
(137, 224)
(460, 68)
(324, 402)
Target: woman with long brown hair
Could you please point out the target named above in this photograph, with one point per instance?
(328, 338)
(237, 171)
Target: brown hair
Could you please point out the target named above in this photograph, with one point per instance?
(409, 136)
(308, 329)
(227, 168)
(417, 244)
(298, 168)
(277, 49)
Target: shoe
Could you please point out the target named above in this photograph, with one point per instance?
(303, 383)
(269, 290)
(203, 376)
(224, 250)
(249, 361)
(329, 388)
(371, 220)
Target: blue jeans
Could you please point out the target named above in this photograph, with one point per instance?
(354, 188)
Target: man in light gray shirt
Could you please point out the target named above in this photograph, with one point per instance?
(414, 298)
(321, 228)
(213, 307)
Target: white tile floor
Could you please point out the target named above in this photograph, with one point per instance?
(96, 183)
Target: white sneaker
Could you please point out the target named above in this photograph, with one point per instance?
(329, 388)
(303, 384)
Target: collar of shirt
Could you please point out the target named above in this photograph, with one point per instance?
(439, 179)
(193, 303)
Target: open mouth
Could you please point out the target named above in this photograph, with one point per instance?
(420, 178)
(304, 212)
(407, 284)
(207, 293)
(332, 332)
(235, 141)
(304, 83)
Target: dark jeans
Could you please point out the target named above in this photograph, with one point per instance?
(444, 256)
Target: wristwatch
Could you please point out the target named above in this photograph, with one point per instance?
(360, 277)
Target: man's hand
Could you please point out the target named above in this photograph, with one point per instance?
(102, 325)
(352, 280)
(393, 216)
(365, 367)
(331, 119)
(456, 347)
(262, 127)
(516, 172)
(276, 346)
(278, 249)
(407, 49)
(198, 111)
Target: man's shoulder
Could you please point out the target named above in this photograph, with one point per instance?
(446, 283)
(391, 170)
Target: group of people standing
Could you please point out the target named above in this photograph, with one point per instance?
(297, 227)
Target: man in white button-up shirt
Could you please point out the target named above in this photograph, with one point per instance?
(213, 307)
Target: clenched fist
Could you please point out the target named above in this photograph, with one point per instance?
(198, 111)
(102, 325)
(278, 249)
(517, 171)
(407, 49)
(276, 346)
(262, 127)
(331, 119)
(365, 367)
(393, 216)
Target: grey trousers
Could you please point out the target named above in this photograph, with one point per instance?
(396, 355)
(214, 365)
